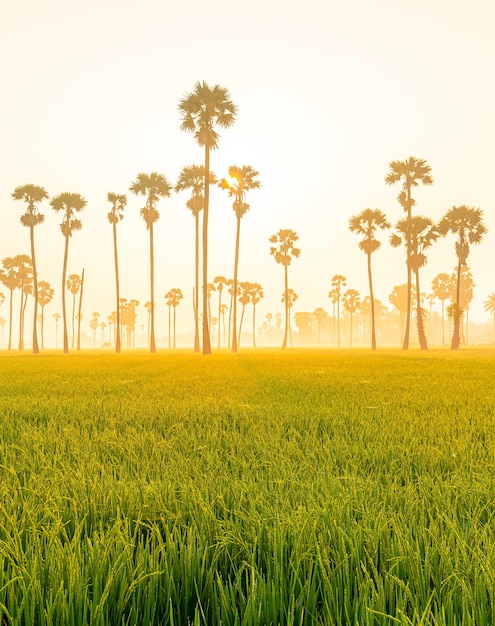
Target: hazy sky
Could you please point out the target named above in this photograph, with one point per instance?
(328, 94)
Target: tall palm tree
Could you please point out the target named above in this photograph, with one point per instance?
(351, 302)
(284, 251)
(466, 224)
(45, 296)
(202, 111)
(24, 268)
(73, 284)
(441, 287)
(256, 293)
(32, 195)
(193, 177)
(416, 234)
(410, 173)
(69, 204)
(116, 214)
(241, 180)
(338, 282)
(11, 279)
(489, 306)
(366, 224)
(220, 282)
(153, 186)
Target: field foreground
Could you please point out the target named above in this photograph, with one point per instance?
(307, 487)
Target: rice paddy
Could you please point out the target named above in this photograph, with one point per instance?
(306, 487)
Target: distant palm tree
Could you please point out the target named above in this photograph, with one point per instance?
(441, 287)
(210, 288)
(416, 234)
(351, 302)
(153, 186)
(193, 177)
(176, 297)
(56, 317)
(466, 224)
(320, 315)
(202, 111)
(241, 180)
(284, 251)
(410, 173)
(222, 310)
(115, 215)
(24, 268)
(73, 285)
(288, 298)
(32, 195)
(147, 306)
(256, 293)
(45, 296)
(489, 306)
(244, 299)
(269, 318)
(69, 204)
(366, 225)
(9, 276)
(338, 282)
(220, 282)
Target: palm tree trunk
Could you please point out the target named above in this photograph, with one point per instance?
(286, 298)
(79, 312)
(174, 326)
(206, 333)
(219, 311)
(240, 326)
(152, 290)
(236, 267)
(443, 322)
(42, 327)
(73, 320)
(36, 349)
(372, 302)
(117, 289)
(338, 318)
(419, 316)
(254, 326)
(230, 317)
(10, 319)
(64, 312)
(21, 317)
(196, 291)
(351, 331)
(405, 344)
(456, 339)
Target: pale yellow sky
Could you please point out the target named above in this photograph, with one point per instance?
(328, 94)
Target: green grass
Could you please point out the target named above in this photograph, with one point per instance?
(307, 487)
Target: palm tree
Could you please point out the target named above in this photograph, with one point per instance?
(204, 109)
(32, 195)
(338, 282)
(73, 284)
(416, 234)
(441, 287)
(242, 179)
(193, 177)
(410, 173)
(244, 299)
(11, 279)
(147, 306)
(70, 204)
(320, 315)
(220, 282)
(153, 186)
(489, 306)
(288, 298)
(24, 269)
(210, 288)
(175, 296)
(115, 215)
(223, 308)
(351, 302)
(466, 224)
(93, 324)
(269, 318)
(366, 225)
(56, 317)
(256, 293)
(284, 251)
(45, 296)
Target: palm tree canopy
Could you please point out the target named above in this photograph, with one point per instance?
(366, 224)
(242, 179)
(45, 292)
(468, 226)
(31, 194)
(118, 202)
(203, 109)
(70, 203)
(441, 286)
(410, 172)
(285, 249)
(489, 304)
(154, 186)
(73, 283)
(351, 300)
(193, 177)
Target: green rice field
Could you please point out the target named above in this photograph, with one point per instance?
(267, 487)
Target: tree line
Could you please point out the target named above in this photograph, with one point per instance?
(203, 112)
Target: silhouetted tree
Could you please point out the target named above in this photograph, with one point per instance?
(241, 180)
(93, 324)
(73, 285)
(288, 298)
(24, 268)
(153, 186)
(116, 214)
(350, 302)
(32, 195)
(244, 299)
(69, 204)
(489, 306)
(45, 296)
(204, 109)
(366, 224)
(466, 224)
(441, 287)
(56, 317)
(284, 251)
(338, 282)
(11, 279)
(410, 173)
(256, 293)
